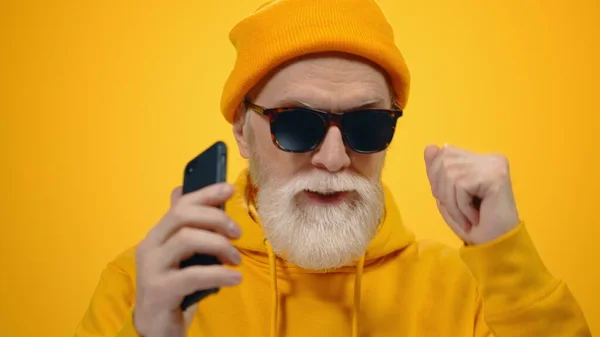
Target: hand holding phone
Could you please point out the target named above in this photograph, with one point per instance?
(196, 231)
(208, 168)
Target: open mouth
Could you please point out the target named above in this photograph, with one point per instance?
(329, 197)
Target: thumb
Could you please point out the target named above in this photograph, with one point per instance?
(176, 194)
(431, 152)
(188, 315)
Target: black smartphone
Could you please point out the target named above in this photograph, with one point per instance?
(208, 168)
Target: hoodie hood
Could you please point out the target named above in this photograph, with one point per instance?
(391, 235)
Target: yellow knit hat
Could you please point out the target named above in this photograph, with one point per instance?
(281, 30)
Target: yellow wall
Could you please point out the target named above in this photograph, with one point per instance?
(103, 102)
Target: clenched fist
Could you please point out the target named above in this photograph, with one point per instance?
(473, 192)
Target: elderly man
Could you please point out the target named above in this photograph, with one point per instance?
(312, 243)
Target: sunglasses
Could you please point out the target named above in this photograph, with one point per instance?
(300, 129)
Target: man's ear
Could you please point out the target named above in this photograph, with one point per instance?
(238, 131)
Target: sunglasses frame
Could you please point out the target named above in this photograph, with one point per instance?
(329, 120)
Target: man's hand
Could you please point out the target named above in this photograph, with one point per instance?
(473, 193)
(192, 225)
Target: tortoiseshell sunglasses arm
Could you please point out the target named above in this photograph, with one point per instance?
(256, 108)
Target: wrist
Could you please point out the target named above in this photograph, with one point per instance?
(508, 270)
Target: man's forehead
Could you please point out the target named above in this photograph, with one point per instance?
(336, 61)
(327, 81)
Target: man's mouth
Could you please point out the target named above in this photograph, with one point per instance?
(330, 197)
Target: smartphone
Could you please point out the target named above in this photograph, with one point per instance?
(208, 168)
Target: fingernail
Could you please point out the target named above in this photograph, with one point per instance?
(235, 256)
(233, 230)
(445, 145)
(235, 278)
(468, 226)
(226, 189)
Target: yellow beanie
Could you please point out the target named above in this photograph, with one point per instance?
(281, 30)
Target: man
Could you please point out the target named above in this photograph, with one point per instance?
(312, 242)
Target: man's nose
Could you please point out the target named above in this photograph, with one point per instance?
(332, 154)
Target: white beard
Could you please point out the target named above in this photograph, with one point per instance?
(317, 236)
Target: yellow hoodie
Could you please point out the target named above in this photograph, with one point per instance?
(401, 287)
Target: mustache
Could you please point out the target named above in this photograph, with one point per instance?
(327, 182)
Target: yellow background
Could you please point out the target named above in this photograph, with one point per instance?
(103, 102)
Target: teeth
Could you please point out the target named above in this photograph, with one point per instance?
(326, 194)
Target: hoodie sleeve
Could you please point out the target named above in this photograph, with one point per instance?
(520, 297)
(110, 313)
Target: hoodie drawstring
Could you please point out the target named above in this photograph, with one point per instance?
(275, 294)
(357, 293)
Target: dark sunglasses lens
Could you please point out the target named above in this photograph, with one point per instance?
(298, 130)
(368, 131)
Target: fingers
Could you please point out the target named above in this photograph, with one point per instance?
(176, 194)
(189, 241)
(437, 168)
(459, 230)
(449, 200)
(445, 168)
(213, 195)
(191, 210)
(433, 162)
(465, 205)
(194, 278)
(188, 315)
(201, 217)
(431, 152)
